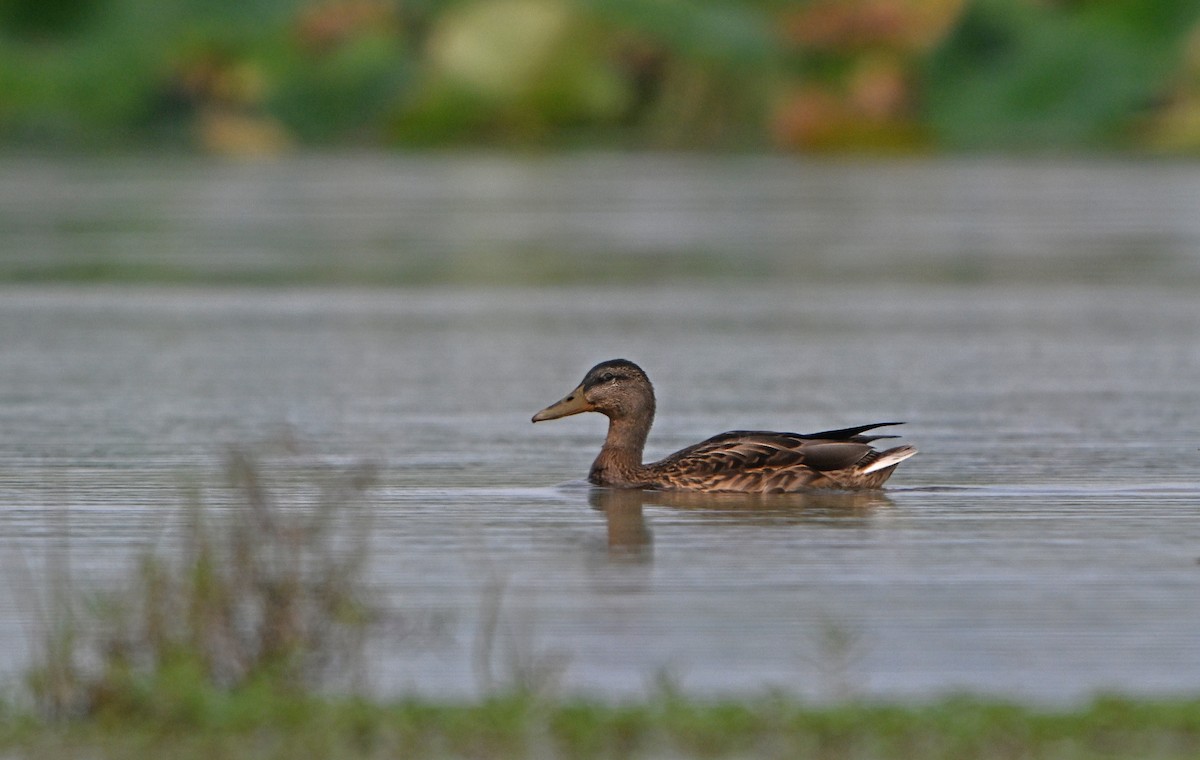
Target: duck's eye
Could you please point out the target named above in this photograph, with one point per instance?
(607, 377)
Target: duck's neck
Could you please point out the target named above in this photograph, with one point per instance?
(620, 460)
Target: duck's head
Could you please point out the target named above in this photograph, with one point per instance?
(617, 388)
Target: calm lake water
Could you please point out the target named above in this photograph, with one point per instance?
(1037, 326)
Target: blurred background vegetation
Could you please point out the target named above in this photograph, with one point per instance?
(264, 76)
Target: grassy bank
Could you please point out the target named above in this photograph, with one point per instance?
(184, 722)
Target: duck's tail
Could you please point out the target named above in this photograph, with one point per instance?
(889, 458)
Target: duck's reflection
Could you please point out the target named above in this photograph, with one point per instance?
(629, 535)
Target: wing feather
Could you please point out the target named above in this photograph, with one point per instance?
(764, 461)
(754, 460)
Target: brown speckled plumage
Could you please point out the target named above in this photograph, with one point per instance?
(747, 461)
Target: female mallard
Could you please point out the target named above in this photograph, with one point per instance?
(748, 461)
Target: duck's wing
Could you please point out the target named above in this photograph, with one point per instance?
(759, 461)
(848, 434)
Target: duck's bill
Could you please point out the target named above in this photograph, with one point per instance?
(574, 403)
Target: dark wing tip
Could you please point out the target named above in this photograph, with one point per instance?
(849, 434)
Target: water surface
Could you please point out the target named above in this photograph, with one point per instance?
(1043, 544)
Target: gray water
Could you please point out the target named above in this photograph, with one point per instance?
(1037, 327)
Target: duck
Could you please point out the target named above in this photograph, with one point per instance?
(741, 461)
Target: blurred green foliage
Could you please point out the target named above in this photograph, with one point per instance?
(1024, 75)
(184, 718)
(259, 76)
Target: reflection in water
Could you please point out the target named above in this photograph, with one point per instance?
(801, 505)
(628, 533)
